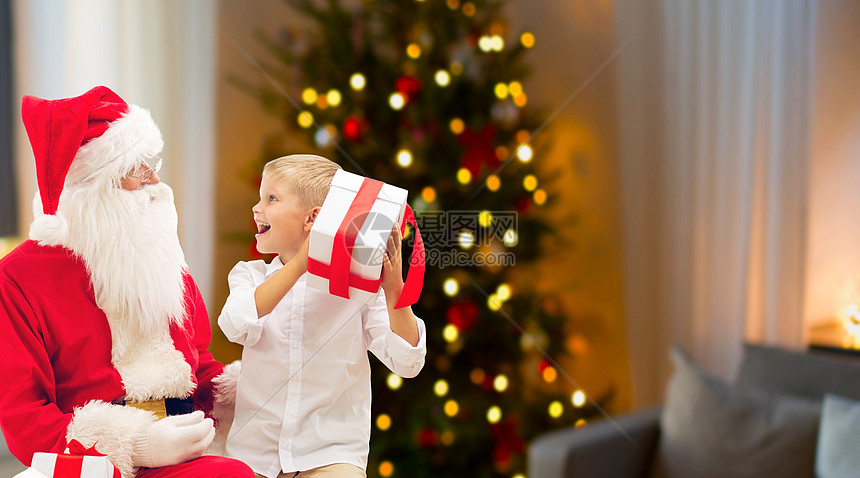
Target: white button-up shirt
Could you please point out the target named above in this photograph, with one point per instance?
(303, 397)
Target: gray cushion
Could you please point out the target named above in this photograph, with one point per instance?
(713, 430)
(838, 454)
(795, 373)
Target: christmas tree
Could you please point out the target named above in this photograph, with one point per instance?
(428, 96)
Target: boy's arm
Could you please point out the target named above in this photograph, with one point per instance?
(238, 319)
(273, 289)
(395, 352)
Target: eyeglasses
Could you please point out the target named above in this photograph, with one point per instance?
(146, 175)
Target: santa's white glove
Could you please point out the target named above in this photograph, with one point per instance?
(172, 440)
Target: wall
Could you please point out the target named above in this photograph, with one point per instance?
(242, 126)
(573, 40)
(64, 48)
(833, 260)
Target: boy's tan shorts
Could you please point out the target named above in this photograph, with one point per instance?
(337, 470)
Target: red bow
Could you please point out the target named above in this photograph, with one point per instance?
(71, 463)
(77, 448)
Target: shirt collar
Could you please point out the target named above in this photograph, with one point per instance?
(274, 266)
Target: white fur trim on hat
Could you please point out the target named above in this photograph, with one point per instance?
(107, 158)
(112, 429)
(103, 161)
(224, 408)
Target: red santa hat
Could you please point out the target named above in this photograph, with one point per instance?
(94, 139)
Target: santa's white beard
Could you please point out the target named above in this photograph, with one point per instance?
(129, 243)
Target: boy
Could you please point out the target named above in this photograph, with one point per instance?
(303, 396)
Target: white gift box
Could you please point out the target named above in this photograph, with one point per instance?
(85, 466)
(374, 227)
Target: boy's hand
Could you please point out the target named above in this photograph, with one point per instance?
(301, 257)
(392, 267)
(402, 321)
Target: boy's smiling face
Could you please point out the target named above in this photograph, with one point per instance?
(282, 222)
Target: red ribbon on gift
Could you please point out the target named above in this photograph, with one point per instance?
(71, 464)
(339, 276)
(321, 269)
(344, 238)
(415, 277)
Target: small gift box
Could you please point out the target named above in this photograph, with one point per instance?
(77, 462)
(350, 236)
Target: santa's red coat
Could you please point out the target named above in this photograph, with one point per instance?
(56, 352)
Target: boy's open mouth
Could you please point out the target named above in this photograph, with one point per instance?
(262, 227)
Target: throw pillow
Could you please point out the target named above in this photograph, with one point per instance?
(709, 429)
(838, 438)
(798, 373)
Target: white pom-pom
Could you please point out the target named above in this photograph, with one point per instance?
(50, 230)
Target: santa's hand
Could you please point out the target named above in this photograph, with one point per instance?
(172, 440)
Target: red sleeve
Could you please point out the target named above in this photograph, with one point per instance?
(29, 416)
(207, 367)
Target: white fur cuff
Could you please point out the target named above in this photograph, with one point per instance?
(224, 408)
(112, 429)
(225, 384)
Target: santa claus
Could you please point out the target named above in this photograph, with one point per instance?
(105, 335)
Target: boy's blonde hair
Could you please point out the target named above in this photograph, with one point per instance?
(308, 176)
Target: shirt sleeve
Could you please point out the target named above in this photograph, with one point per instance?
(238, 319)
(391, 349)
(29, 416)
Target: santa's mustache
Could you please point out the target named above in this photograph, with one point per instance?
(148, 194)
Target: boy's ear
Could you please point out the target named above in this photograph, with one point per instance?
(311, 217)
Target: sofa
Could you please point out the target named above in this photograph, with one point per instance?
(9, 465)
(788, 414)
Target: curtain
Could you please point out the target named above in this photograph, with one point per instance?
(157, 54)
(715, 100)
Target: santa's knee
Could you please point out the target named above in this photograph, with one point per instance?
(222, 467)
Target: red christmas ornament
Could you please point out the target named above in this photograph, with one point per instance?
(463, 315)
(502, 456)
(479, 149)
(427, 437)
(408, 86)
(543, 365)
(507, 439)
(352, 129)
(524, 204)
